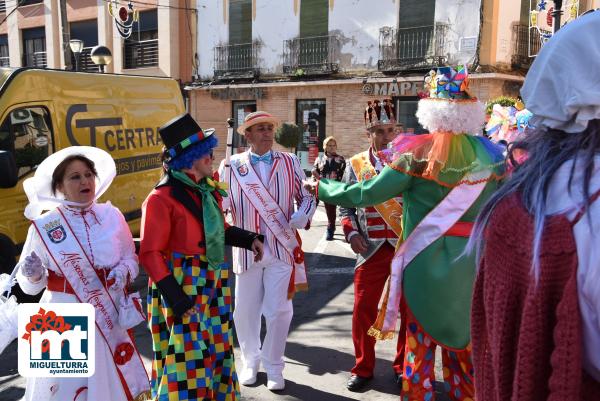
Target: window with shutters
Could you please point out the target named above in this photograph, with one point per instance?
(315, 50)
(141, 48)
(86, 31)
(418, 43)
(4, 58)
(34, 47)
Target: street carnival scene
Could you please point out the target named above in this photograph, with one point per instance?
(299, 200)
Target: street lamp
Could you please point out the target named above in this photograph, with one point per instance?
(76, 46)
(101, 56)
(556, 13)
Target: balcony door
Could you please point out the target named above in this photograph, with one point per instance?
(86, 31)
(239, 54)
(141, 48)
(34, 47)
(416, 28)
(313, 46)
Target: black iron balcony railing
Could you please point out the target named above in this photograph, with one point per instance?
(141, 54)
(4, 61)
(413, 48)
(37, 59)
(527, 42)
(85, 61)
(236, 61)
(311, 55)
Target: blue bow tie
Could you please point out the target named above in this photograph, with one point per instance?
(266, 158)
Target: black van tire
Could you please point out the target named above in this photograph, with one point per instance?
(7, 264)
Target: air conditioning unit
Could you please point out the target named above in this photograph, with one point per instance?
(21, 116)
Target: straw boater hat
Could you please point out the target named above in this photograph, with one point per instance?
(256, 118)
(39, 187)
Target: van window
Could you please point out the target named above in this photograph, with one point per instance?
(27, 133)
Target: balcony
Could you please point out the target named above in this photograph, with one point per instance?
(85, 61)
(236, 61)
(527, 42)
(140, 54)
(36, 59)
(317, 55)
(4, 61)
(416, 48)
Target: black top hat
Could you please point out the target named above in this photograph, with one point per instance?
(182, 132)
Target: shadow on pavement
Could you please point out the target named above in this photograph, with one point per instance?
(321, 361)
(296, 391)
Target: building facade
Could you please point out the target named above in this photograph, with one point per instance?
(162, 41)
(316, 63)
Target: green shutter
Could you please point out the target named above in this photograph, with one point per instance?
(240, 21)
(314, 18)
(525, 5)
(414, 13)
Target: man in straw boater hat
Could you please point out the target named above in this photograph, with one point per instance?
(444, 178)
(372, 232)
(266, 196)
(183, 250)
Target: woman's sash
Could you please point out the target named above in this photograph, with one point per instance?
(435, 224)
(271, 213)
(70, 259)
(390, 210)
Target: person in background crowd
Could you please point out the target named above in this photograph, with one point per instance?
(68, 183)
(444, 178)
(266, 196)
(536, 303)
(330, 165)
(182, 248)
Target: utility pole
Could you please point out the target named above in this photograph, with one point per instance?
(66, 35)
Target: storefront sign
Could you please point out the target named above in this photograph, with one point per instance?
(393, 89)
(238, 93)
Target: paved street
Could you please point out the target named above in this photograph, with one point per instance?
(319, 352)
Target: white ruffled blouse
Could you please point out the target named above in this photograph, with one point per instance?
(102, 231)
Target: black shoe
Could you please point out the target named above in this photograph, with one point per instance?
(330, 232)
(355, 383)
(398, 379)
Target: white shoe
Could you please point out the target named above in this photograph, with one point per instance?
(248, 376)
(275, 382)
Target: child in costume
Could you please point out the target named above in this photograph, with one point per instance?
(444, 177)
(536, 301)
(182, 248)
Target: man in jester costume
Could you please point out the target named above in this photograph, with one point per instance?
(183, 250)
(444, 178)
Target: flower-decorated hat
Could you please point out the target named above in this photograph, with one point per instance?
(447, 105)
(379, 114)
(181, 133)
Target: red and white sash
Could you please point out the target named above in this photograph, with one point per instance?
(437, 222)
(70, 259)
(272, 214)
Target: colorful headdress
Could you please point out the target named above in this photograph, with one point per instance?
(378, 114)
(448, 106)
(502, 125)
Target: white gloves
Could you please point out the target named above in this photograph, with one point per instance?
(119, 274)
(298, 220)
(32, 268)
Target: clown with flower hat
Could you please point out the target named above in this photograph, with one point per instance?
(182, 248)
(443, 177)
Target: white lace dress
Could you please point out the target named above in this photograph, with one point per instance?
(110, 244)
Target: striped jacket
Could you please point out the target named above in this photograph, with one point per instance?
(366, 222)
(285, 186)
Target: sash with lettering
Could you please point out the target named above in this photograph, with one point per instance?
(276, 220)
(435, 224)
(70, 259)
(390, 210)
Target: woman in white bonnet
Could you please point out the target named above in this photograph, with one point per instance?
(68, 183)
(536, 306)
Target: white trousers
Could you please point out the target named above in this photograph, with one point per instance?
(262, 289)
